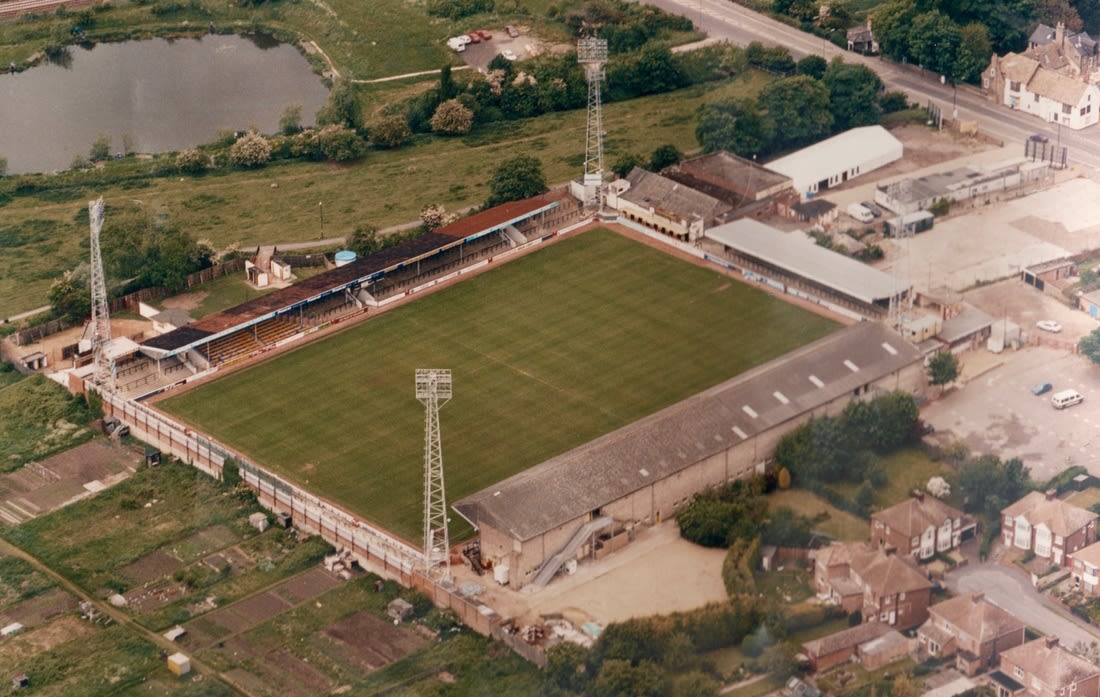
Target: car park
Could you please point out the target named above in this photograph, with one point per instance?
(1041, 388)
(508, 54)
(1049, 325)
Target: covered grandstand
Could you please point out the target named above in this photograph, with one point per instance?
(372, 281)
(795, 265)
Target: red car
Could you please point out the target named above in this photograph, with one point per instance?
(485, 36)
(474, 37)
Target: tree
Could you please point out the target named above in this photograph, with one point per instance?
(191, 160)
(618, 678)
(291, 120)
(783, 479)
(250, 150)
(447, 88)
(938, 487)
(625, 163)
(934, 42)
(342, 107)
(694, 683)
(452, 118)
(799, 107)
(785, 528)
(517, 178)
(432, 216)
(973, 54)
(736, 125)
(989, 484)
(101, 148)
(70, 296)
(853, 94)
(565, 666)
(390, 132)
(664, 156)
(943, 368)
(893, 101)
(364, 240)
(813, 66)
(1089, 346)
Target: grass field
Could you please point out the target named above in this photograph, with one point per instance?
(547, 353)
(840, 525)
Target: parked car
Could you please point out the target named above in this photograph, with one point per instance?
(1049, 325)
(875, 210)
(511, 31)
(473, 37)
(508, 54)
(485, 36)
(1042, 388)
(860, 213)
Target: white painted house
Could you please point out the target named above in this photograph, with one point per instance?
(1021, 82)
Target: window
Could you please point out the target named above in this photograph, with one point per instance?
(1036, 99)
(1014, 86)
(1018, 671)
(1067, 108)
(901, 596)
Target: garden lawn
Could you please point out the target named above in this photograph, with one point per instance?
(839, 525)
(907, 469)
(547, 352)
(1085, 499)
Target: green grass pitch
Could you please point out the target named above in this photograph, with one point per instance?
(547, 352)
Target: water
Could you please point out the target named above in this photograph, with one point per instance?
(162, 94)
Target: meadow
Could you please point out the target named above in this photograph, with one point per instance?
(547, 353)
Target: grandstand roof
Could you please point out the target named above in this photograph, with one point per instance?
(808, 260)
(358, 271)
(566, 487)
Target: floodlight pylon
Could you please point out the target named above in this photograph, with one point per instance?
(433, 390)
(592, 54)
(101, 321)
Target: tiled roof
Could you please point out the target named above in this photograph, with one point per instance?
(1062, 518)
(889, 574)
(1090, 555)
(1046, 660)
(976, 616)
(649, 190)
(846, 639)
(1018, 68)
(915, 515)
(1058, 87)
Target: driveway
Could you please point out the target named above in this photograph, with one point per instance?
(1010, 589)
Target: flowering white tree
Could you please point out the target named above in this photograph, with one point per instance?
(250, 150)
(938, 487)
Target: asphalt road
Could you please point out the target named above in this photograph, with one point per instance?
(1009, 589)
(722, 19)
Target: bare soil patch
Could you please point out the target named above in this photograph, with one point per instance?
(238, 561)
(205, 541)
(260, 607)
(152, 597)
(369, 642)
(185, 301)
(40, 609)
(229, 620)
(150, 567)
(307, 585)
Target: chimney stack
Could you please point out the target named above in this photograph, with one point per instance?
(1050, 641)
(1060, 34)
(977, 598)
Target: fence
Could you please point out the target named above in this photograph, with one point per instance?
(36, 333)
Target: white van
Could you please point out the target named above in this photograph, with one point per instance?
(860, 212)
(1066, 398)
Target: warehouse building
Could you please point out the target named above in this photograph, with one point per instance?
(574, 505)
(835, 160)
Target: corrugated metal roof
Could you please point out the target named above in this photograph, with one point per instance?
(566, 487)
(808, 260)
(841, 153)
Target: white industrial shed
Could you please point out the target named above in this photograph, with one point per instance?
(533, 522)
(835, 160)
(794, 264)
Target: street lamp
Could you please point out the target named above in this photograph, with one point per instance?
(321, 208)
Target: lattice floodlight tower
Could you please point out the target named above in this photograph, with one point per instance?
(592, 54)
(101, 321)
(433, 390)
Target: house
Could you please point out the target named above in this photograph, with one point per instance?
(861, 39)
(883, 586)
(816, 211)
(1070, 53)
(1085, 565)
(972, 629)
(1043, 668)
(1022, 82)
(845, 645)
(1048, 526)
(921, 526)
(665, 205)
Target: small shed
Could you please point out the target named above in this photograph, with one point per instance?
(179, 664)
(175, 633)
(259, 521)
(152, 456)
(399, 609)
(283, 519)
(34, 361)
(9, 630)
(20, 680)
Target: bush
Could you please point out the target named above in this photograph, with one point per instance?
(737, 568)
(250, 150)
(894, 101)
(452, 118)
(191, 161)
(456, 9)
(390, 132)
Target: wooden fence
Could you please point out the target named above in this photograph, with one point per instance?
(39, 332)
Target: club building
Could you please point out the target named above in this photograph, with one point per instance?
(585, 502)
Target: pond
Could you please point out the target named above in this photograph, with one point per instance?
(154, 96)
